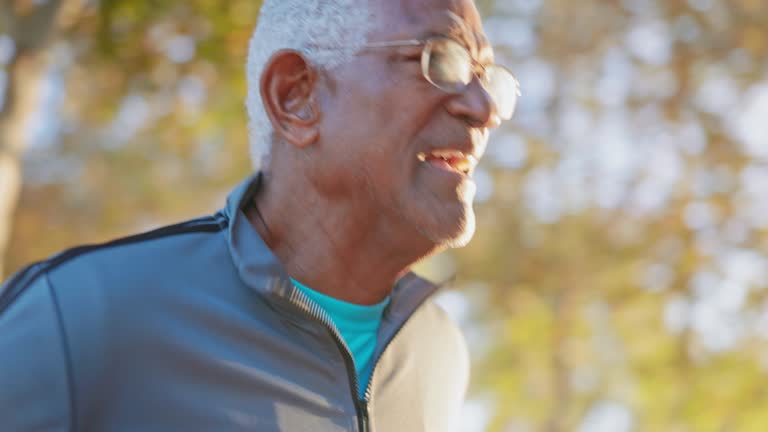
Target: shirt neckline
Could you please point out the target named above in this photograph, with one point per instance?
(346, 314)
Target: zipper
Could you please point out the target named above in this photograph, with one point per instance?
(314, 310)
(369, 387)
(362, 407)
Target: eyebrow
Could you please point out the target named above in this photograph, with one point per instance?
(459, 20)
(462, 31)
(451, 33)
(477, 44)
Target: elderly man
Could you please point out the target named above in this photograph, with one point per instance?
(293, 308)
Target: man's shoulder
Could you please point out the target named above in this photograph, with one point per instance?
(421, 297)
(430, 357)
(416, 298)
(435, 320)
(117, 260)
(63, 320)
(432, 322)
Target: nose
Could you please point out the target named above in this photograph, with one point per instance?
(475, 106)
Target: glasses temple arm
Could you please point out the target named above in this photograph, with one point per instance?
(409, 42)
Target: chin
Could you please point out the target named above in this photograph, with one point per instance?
(464, 234)
(446, 222)
(452, 234)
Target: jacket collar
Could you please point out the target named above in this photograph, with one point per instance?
(261, 270)
(257, 266)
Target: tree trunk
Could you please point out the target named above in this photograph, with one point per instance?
(31, 29)
(10, 185)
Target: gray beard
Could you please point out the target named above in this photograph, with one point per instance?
(457, 239)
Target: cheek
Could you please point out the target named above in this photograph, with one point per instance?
(374, 123)
(397, 98)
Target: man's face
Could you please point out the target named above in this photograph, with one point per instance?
(384, 125)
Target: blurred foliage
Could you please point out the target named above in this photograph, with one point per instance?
(618, 275)
(620, 266)
(150, 126)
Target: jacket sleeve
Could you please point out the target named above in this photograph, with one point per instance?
(34, 379)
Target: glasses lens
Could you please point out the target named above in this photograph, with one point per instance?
(503, 88)
(447, 64)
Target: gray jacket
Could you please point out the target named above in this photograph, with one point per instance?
(196, 327)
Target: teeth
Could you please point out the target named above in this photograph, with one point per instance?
(447, 153)
(457, 159)
(443, 154)
(462, 165)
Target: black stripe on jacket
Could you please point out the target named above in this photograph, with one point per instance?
(16, 285)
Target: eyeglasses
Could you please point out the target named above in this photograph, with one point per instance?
(449, 66)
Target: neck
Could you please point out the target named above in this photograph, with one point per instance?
(334, 246)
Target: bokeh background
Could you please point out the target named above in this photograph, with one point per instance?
(618, 279)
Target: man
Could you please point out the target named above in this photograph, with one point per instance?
(293, 308)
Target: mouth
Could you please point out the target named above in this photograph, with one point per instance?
(453, 161)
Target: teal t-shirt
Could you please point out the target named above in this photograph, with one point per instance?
(358, 325)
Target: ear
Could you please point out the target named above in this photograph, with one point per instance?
(288, 87)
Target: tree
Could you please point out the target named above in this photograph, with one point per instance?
(29, 30)
(623, 248)
(137, 82)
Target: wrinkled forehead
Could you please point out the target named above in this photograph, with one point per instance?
(420, 18)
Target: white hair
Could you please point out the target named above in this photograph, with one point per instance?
(327, 32)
